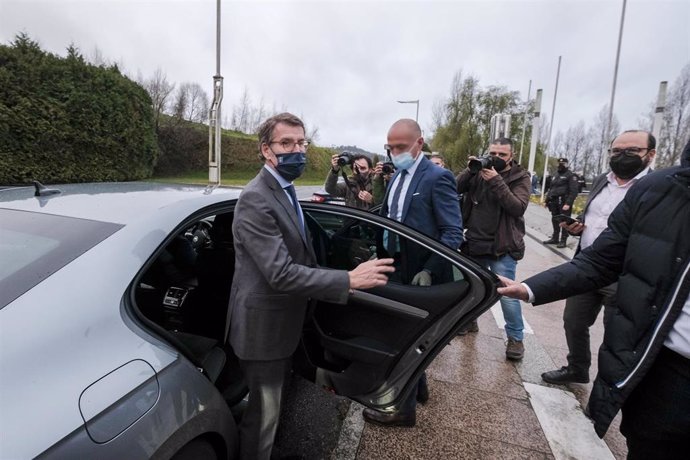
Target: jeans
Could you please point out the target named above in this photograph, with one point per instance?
(512, 310)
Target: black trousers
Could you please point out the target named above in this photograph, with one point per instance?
(266, 381)
(656, 416)
(410, 404)
(555, 205)
(580, 313)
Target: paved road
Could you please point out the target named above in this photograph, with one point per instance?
(481, 405)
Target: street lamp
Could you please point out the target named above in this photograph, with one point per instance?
(412, 102)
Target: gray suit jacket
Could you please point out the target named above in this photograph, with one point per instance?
(275, 274)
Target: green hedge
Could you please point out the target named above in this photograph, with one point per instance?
(64, 120)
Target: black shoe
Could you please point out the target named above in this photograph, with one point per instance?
(564, 375)
(550, 241)
(472, 327)
(561, 244)
(422, 393)
(389, 419)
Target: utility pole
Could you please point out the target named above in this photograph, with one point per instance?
(524, 122)
(536, 126)
(548, 142)
(604, 148)
(659, 115)
(214, 118)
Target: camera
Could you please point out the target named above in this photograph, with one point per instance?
(485, 162)
(345, 159)
(388, 168)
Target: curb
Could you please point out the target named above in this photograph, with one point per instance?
(539, 237)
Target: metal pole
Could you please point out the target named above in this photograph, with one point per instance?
(524, 122)
(536, 126)
(548, 141)
(659, 115)
(214, 116)
(416, 116)
(606, 140)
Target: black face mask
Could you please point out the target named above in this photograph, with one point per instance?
(562, 169)
(626, 166)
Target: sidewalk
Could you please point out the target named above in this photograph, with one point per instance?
(485, 407)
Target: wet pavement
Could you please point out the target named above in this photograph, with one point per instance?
(481, 405)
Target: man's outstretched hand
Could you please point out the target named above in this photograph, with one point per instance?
(513, 289)
(371, 273)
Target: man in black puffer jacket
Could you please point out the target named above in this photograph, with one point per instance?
(644, 362)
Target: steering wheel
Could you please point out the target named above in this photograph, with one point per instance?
(199, 234)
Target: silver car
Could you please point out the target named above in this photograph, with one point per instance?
(113, 301)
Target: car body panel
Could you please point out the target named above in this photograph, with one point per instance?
(34, 352)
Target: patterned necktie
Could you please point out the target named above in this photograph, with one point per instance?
(291, 190)
(393, 212)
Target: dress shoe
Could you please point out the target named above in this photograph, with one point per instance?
(472, 327)
(389, 419)
(550, 241)
(515, 350)
(422, 393)
(565, 375)
(561, 244)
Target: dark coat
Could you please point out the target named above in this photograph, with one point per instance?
(563, 185)
(509, 193)
(430, 207)
(646, 247)
(275, 274)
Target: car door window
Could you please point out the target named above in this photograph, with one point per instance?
(383, 334)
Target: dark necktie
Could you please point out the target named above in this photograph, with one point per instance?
(291, 190)
(393, 213)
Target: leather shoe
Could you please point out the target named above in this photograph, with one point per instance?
(561, 244)
(564, 375)
(472, 327)
(550, 241)
(389, 419)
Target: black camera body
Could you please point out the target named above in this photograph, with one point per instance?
(484, 162)
(345, 158)
(388, 168)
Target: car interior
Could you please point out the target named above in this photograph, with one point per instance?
(183, 294)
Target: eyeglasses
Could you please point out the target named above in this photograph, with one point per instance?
(630, 151)
(289, 146)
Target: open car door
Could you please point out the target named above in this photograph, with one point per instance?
(374, 348)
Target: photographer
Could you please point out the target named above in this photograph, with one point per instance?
(495, 193)
(356, 189)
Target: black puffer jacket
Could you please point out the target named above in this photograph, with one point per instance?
(647, 248)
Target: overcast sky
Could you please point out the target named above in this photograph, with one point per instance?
(343, 64)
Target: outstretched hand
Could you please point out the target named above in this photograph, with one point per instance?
(513, 289)
(371, 273)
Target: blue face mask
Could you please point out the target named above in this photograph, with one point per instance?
(403, 160)
(291, 165)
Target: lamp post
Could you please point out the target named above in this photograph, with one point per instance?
(214, 120)
(416, 117)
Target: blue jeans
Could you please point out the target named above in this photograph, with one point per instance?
(512, 310)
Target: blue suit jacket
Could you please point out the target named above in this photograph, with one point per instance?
(431, 206)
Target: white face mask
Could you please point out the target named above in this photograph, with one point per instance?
(403, 160)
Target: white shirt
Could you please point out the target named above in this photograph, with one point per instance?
(678, 338)
(408, 179)
(601, 207)
(283, 184)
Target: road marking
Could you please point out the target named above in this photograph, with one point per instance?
(501, 322)
(569, 432)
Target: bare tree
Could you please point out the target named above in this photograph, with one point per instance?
(96, 57)
(241, 113)
(601, 138)
(180, 103)
(197, 103)
(159, 89)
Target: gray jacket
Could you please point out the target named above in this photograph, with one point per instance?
(275, 274)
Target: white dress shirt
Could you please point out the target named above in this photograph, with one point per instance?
(408, 179)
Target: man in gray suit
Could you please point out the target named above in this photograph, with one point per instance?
(630, 155)
(275, 275)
